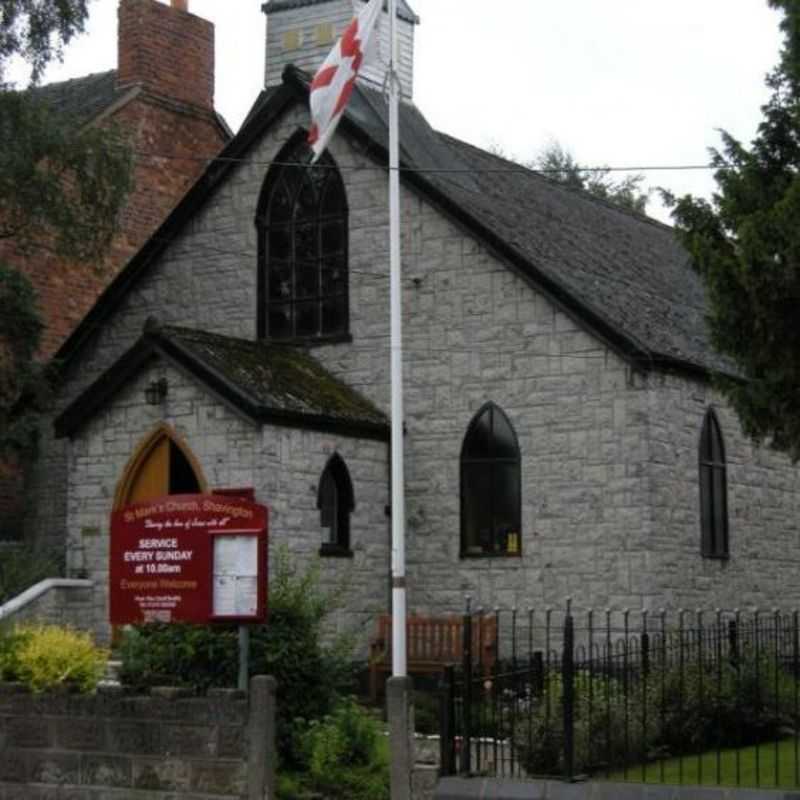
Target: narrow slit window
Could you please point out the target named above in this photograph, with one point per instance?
(335, 504)
(713, 490)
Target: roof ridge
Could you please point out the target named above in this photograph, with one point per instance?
(103, 74)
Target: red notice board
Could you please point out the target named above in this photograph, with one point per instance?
(188, 558)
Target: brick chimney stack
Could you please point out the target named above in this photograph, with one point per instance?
(166, 50)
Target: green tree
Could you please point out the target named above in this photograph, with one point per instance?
(560, 165)
(745, 243)
(62, 186)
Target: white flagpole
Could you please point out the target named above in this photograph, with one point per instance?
(396, 342)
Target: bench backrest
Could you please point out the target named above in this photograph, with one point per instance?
(440, 639)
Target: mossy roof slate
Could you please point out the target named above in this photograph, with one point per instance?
(270, 383)
(276, 377)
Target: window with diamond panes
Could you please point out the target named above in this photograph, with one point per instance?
(713, 490)
(302, 225)
(490, 486)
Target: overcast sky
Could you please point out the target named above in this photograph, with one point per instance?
(617, 82)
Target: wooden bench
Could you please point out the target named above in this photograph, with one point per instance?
(431, 644)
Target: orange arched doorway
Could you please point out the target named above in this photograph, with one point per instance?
(162, 464)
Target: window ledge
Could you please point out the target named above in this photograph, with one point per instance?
(471, 556)
(335, 551)
(716, 556)
(312, 341)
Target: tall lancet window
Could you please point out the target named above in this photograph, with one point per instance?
(335, 503)
(713, 490)
(302, 244)
(490, 486)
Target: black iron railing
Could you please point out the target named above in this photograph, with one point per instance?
(683, 697)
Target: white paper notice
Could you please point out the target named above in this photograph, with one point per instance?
(246, 596)
(225, 555)
(235, 576)
(247, 556)
(224, 596)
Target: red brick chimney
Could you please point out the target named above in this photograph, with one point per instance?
(167, 51)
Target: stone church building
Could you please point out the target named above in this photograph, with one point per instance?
(562, 439)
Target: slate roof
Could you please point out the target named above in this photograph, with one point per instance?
(626, 271)
(403, 9)
(84, 98)
(622, 275)
(268, 382)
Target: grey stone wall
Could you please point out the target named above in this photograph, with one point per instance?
(283, 466)
(763, 569)
(609, 455)
(161, 747)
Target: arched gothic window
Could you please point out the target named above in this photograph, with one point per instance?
(490, 486)
(302, 242)
(335, 503)
(713, 490)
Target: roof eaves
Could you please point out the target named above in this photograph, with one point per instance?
(271, 6)
(192, 201)
(153, 343)
(213, 378)
(81, 410)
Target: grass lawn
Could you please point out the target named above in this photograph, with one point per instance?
(756, 767)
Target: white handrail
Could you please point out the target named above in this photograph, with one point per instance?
(19, 602)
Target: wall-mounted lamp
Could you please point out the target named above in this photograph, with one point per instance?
(155, 392)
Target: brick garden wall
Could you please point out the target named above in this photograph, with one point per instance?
(110, 745)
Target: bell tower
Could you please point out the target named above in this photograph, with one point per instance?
(302, 32)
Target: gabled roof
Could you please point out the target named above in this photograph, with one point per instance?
(271, 383)
(623, 275)
(82, 99)
(403, 9)
(622, 272)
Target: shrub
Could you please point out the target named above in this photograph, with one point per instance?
(606, 729)
(677, 711)
(344, 757)
(11, 639)
(190, 656)
(46, 656)
(310, 676)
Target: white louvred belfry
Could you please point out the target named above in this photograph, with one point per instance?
(334, 82)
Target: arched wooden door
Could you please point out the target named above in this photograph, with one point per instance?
(161, 465)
